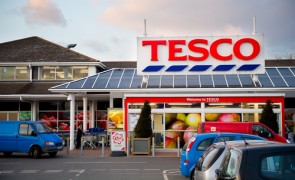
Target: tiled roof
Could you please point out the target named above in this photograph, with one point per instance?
(36, 49)
(15, 88)
(120, 64)
(280, 62)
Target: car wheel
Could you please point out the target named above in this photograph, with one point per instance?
(36, 152)
(192, 175)
(7, 153)
(52, 154)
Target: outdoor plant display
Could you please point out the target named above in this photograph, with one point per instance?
(269, 118)
(141, 142)
(143, 128)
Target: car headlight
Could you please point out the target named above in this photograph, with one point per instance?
(49, 143)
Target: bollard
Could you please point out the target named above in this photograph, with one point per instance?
(102, 146)
(81, 147)
(68, 146)
(178, 145)
(128, 145)
(153, 145)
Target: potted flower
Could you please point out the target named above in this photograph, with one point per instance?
(141, 142)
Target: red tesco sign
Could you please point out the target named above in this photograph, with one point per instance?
(177, 46)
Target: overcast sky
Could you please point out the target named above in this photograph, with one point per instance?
(107, 29)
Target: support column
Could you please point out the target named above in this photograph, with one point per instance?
(34, 111)
(84, 114)
(71, 98)
(92, 113)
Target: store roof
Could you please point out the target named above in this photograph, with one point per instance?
(35, 49)
(275, 77)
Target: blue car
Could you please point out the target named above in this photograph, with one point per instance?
(198, 143)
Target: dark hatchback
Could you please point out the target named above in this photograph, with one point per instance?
(259, 162)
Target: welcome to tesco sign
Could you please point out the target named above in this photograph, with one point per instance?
(200, 55)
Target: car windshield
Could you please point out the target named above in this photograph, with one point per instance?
(42, 128)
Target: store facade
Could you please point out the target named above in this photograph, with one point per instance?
(190, 80)
(111, 97)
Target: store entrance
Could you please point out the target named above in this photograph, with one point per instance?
(158, 129)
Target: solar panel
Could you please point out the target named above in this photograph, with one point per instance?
(219, 81)
(206, 81)
(102, 80)
(136, 81)
(88, 84)
(180, 81)
(193, 81)
(233, 80)
(128, 78)
(276, 78)
(153, 81)
(246, 80)
(264, 80)
(76, 84)
(115, 79)
(288, 76)
(167, 81)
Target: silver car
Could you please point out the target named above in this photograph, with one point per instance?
(212, 157)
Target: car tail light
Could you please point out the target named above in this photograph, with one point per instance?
(186, 161)
(190, 144)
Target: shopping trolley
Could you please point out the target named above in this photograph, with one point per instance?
(89, 141)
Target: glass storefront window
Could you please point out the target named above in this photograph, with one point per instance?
(25, 116)
(140, 105)
(14, 73)
(223, 105)
(183, 105)
(7, 73)
(47, 72)
(259, 105)
(80, 72)
(223, 117)
(22, 73)
(182, 125)
(63, 72)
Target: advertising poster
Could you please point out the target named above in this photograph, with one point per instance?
(115, 119)
(118, 140)
(185, 125)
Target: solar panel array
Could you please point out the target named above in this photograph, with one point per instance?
(281, 77)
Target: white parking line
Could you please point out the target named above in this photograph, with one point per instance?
(28, 171)
(98, 169)
(170, 171)
(53, 171)
(105, 162)
(151, 169)
(76, 170)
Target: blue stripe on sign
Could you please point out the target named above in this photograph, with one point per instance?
(176, 68)
(224, 67)
(248, 67)
(153, 68)
(200, 68)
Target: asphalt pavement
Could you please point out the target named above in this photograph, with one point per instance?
(90, 164)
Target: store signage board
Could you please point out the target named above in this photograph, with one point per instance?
(118, 140)
(200, 55)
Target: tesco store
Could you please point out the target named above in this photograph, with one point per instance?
(188, 80)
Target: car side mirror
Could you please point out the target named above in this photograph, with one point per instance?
(33, 133)
(217, 172)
